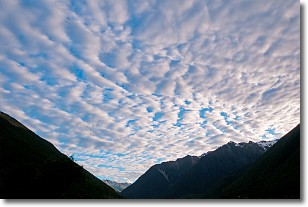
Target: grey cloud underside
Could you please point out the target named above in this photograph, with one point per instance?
(127, 80)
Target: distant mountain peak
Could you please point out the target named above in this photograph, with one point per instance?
(195, 174)
(276, 175)
(117, 186)
(265, 144)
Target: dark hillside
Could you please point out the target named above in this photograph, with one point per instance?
(275, 175)
(190, 176)
(31, 167)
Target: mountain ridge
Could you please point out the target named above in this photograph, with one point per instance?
(275, 175)
(32, 167)
(165, 180)
(264, 169)
(117, 186)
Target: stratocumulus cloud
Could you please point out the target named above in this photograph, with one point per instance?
(123, 85)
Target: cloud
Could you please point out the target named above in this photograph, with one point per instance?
(124, 85)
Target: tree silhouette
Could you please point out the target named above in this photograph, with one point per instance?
(72, 157)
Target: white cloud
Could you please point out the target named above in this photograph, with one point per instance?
(127, 84)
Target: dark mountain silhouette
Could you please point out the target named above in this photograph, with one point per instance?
(156, 181)
(191, 175)
(31, 167)
(275, 175)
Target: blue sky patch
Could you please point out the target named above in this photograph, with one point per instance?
(107, 95)
(271, 131)
(226, 118)
(78, 73)
(181, 116)
(149, 109)
(187, 102)
(204, 111)
(157, 115)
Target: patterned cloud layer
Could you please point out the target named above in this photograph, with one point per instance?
(123, 85)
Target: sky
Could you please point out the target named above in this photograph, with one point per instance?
(123, 85)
